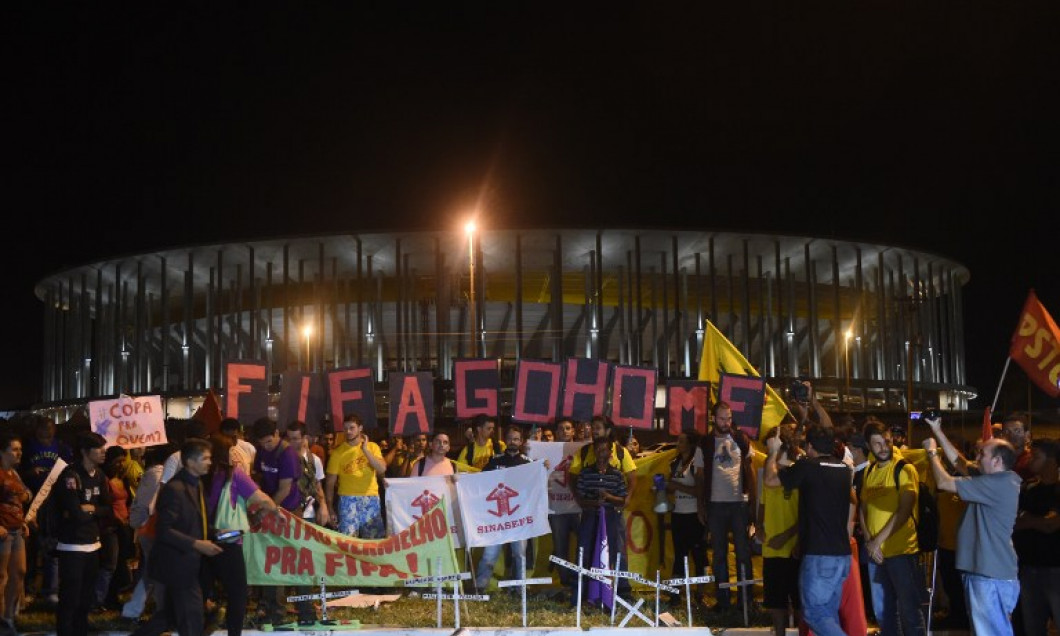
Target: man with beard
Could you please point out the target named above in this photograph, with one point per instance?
(888, 498)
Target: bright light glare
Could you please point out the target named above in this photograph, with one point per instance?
(307, 331)
(470, 227)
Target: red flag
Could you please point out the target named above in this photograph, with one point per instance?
(1036, 346)
(988, 426)
(209, 413)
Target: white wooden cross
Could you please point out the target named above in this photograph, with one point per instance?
(323, 595)
(522, 582)
(439, 596)
(688, 582)
(741, 584)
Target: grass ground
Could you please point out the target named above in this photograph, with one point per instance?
(502, 610)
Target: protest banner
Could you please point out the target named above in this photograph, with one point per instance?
(129, 422)
(558, 455)
(498, 506)
(283, 549)
(408, 499)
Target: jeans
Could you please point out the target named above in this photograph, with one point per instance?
(898, 595)
(723, 517)
(563, 527)
(491, 553)
(820, 589)
(1040, 596)
(990, 601)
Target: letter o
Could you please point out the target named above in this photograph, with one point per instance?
(643, 519)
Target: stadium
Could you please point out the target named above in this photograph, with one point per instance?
(874, 327)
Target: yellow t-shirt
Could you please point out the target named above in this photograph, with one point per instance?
(482, 454)
(625, 465)
(880, 498)
(781, 513)
(355, 476)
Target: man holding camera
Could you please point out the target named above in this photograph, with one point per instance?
(985, 554)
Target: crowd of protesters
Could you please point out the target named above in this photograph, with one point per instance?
(834, 525)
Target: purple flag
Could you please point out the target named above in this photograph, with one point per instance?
(595, 590)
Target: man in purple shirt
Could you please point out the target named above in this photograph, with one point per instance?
(277, 467)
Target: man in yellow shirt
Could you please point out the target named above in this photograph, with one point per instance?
(354, 467)
(890, 536)
(482, 447)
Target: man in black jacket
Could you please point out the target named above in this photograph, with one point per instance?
(83, 499)
(181, 541)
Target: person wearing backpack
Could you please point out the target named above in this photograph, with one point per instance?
(481, 447)
(888, 499)
(435, 462)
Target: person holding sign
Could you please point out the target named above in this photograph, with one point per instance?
(510, 457)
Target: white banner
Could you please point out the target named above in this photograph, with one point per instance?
(508, 504)
(45, 489)
(129, 422)
(558, 455)
(409, 498)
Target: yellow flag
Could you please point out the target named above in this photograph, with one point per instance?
(720, 355)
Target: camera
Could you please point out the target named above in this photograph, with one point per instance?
(229, 536)
(930, 414)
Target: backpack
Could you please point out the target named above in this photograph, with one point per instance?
(926, 514)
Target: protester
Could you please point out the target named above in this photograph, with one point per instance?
(778, 522)
(351, 483)
(511, 456)
(84, 500)
(116, 539)
(729, 493)
(182, 539)
(601, 484)
(1016, 430)
(686, 485)
(142, 519)
(278, 467)
(482, 447)
(825, 504)
(41, 452)
(229, 568)
(1037, 541)
(243, 453)
(435, 462)
(14, 495)
(564, 525)
(886, 515)
(985, 554)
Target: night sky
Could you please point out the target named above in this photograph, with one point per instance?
(933, 127)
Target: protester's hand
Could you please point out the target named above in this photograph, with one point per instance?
(206, 548)
(930, 444)
(773, 445)
(322, 515)
(25, 530)
(3, 533)
(935, 424)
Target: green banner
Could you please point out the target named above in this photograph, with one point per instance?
(286, 550)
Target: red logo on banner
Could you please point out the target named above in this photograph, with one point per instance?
(424, 502)
(502, 495)
(561, 471)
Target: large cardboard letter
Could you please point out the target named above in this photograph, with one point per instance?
(687, 406)
(302, 398)
(411, 403)
(352, 390)
(585, 388)
(477, 382)
(633, 397)
(536, 397)
(746, 395)
(247, 396)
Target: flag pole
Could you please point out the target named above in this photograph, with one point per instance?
(1008, 361)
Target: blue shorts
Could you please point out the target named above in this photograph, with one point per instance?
(361, 516)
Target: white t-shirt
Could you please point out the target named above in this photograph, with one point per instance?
(685, 503)
(725, 480)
